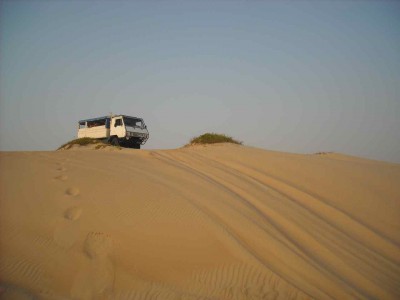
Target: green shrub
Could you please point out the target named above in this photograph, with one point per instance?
(87, 141)
(82, 142)
(101, 146)
(323, 153)
(213, 138)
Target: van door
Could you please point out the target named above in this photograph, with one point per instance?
(108, 127)
(117, 127)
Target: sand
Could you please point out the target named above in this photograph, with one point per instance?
(204, 222)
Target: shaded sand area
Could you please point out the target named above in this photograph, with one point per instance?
(203, 222)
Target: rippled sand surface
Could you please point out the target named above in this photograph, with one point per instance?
(202, 222)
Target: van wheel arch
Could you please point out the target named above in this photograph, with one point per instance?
(114, 141)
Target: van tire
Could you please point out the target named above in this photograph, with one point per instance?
(114, 141)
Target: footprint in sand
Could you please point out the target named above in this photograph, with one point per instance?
(61, 177)
(72, 191)
(95, 280)
(73, 213)
(66, 232)
(61, 169)
(98, 245)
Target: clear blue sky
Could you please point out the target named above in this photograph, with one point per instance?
(292, 76)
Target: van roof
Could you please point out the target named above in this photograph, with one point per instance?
(106, 117)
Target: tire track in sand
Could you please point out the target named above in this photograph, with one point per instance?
(235, 235)
(332, 266)
(328, 234)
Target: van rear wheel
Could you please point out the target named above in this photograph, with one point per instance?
(114, 141)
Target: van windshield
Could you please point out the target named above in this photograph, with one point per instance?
(131, 122)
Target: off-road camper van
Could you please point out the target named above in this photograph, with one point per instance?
(119, 130)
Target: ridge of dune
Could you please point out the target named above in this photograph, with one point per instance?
(200, 222)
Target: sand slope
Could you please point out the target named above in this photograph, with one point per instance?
(204, 222)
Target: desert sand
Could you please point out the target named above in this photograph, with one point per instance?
(203, 222)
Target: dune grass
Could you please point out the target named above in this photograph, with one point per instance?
(213, 138)
(81, 142)
(323, 153)
(86, 141)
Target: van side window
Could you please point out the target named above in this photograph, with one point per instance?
(118, 122)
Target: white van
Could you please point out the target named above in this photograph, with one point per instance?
(119, 130)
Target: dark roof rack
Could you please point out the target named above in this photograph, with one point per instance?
(107, 117)
(94, 119)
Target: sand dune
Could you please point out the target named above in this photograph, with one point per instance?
(203, 222)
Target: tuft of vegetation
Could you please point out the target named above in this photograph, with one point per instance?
(87, 141)
(213, 138)
(81, 142)
(103, 145)
(323, 153)
(100, 146)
